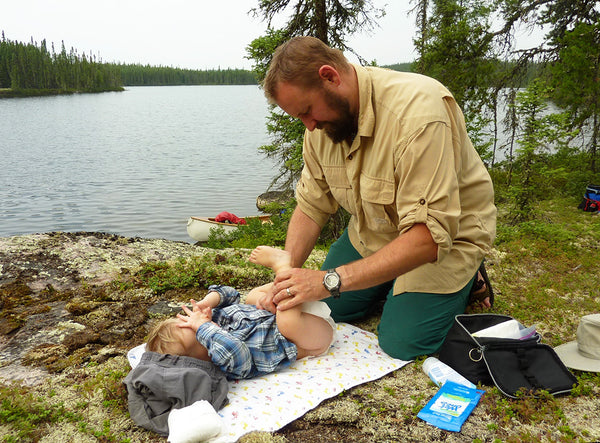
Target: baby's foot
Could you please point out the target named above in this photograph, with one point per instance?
(276, 259)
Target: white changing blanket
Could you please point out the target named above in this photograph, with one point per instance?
(268, 403)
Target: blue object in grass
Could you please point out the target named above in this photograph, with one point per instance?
(451, 406)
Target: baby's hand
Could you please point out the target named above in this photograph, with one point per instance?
(194, 319)
(198, 305)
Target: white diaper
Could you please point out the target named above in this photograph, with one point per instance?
(320, 309)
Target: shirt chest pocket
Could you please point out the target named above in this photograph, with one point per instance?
(340, 187)
(378, 197)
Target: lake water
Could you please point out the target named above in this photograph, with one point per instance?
(134, 163)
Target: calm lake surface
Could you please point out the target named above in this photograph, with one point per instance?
(134, 163)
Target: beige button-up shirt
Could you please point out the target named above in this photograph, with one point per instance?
(411, 162)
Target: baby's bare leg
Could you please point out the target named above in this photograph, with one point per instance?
(255, 294)
(276, 259)
(312, 335)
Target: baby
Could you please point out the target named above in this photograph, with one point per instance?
(241, 339)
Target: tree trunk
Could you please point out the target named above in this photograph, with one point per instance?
(321, 26)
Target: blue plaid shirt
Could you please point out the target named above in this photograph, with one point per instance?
(246, 343)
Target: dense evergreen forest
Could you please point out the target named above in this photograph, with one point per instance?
(32, 69)
(138, 75)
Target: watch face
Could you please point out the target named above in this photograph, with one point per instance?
(331, 280)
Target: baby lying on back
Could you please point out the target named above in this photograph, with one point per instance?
(241, 339)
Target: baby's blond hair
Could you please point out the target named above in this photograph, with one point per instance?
(161, 336)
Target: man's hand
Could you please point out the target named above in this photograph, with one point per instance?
(194, 319)
(297, 286)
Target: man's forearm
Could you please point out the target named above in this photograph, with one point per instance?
(302, 236)
(410, 250)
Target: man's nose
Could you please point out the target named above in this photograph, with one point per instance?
(309, 122)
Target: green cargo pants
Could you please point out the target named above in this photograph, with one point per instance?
(412, 323)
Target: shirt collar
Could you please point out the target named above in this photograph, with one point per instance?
(366, 114)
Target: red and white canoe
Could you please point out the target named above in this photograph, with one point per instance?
(199, 227)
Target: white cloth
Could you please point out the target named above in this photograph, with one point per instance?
(506, 329)
(198, 422)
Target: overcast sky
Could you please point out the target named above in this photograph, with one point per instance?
(194, 34)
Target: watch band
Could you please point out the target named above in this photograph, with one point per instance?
(335, 292)
(334, 289)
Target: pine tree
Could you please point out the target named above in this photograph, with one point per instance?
(332, 21)
(538, 133)
(456, 49)
(576, 80)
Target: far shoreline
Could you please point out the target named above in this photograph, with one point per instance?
(20, 93)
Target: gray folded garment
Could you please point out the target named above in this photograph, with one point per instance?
(161, 382)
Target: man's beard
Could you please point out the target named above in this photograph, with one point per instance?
(344, 127)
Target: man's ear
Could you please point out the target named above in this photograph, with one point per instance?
(329, 74)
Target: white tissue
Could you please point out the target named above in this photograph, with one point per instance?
(198, 422)
(507, 329)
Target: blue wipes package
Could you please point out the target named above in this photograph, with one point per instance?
(451, 406)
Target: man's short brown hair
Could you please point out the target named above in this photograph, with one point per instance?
(298, 61)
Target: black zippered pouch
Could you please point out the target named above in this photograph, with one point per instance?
(509, 364)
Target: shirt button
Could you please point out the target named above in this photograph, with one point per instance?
(422, 201)
(350, 157)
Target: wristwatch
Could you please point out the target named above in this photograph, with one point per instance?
(332, 283)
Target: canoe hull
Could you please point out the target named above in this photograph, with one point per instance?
(199, 228)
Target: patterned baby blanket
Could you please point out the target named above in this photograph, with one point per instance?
(269, 403)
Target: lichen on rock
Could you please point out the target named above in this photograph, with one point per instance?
(61, 306)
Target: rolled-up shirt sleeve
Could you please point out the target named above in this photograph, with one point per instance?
(227, 295)
(428, 192)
